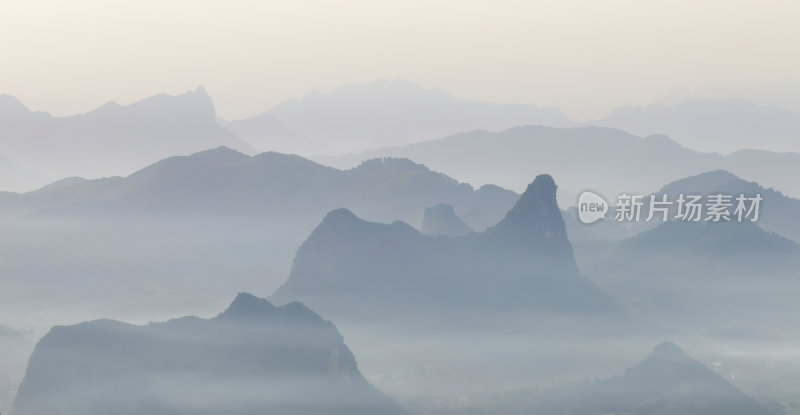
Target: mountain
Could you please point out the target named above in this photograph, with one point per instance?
(158, 240)
(222, 180)
(253, 358)
(713, 125)
(668, 382)
(524, 262)
(725, 277)
(265, 133)
(112, 139)
(442, 220)
(777, 213)
(383, 113)
(615, 161)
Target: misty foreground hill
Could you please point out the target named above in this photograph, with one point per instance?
(668, 382)
(159, 239)
(254, 358)
(525, 262)
(354, 118)
(602, 159)
(112, 139)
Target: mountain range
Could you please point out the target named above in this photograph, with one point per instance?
(158, 240)
(356, 117)
(253, 358)
(713, 125)
(602, 159)
(524, 262)
(112, 139)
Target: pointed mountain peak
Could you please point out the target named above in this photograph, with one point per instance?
(200, 90)
(248, 306)
(536, 212)
(192, 105)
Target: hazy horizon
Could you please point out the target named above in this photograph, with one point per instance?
(251, 57)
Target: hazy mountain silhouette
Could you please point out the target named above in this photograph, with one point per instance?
(525, 262)
(112, 139)
(778, 213)
(383, 113)
(714, 125)
(442, 220)
(253, 358)
(176, 226)
(223, 180)
(727, 276)
(265, 133)
(668, 382)
(617, 161)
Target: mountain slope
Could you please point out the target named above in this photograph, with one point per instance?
(159, 239)
(253, 358)
(667, 382)
(524, 262)
(385, 113)
(723, 277)
(777, 213)
(714, 125)
(442, 220)
(265, 133)
(112, 139)
(616, 161)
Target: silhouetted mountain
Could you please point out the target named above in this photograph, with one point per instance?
(724, 275)
(778, 213)
(442, 220)
(177, 225)
(253, 358)
(525, 262)
(384, 113)
(668, 382)
(265, 133)
(223, 180)
(715, 125)
(112, 139)
(607, 160)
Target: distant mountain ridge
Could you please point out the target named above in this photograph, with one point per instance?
(178, 224)
(713, 125)
(112, 139)
(382, 113)
(253, 358)
(603, 159)
(777, 212)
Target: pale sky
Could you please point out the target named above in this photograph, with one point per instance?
(69, 56)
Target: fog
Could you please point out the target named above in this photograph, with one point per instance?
(416, 208)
